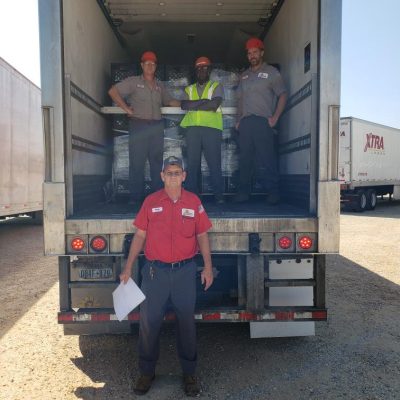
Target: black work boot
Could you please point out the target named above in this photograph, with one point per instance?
(143, 384)
(191, 386)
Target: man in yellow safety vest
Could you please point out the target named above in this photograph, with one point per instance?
(203, 123)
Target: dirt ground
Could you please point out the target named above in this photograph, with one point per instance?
(355, 355)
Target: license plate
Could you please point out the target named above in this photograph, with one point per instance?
(95, 273)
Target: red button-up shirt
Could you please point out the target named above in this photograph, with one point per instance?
(171, 227)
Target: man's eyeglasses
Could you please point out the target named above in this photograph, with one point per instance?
(149, 63)
(175, 173)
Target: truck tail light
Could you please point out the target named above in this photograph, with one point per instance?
(285, 242)
(98, 244)
(305, 242)
(77, 244)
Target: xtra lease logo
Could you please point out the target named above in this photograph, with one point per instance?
(374, 142)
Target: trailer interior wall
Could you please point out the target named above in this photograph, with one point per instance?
(292, 42)
(21, 150)
(89, 47)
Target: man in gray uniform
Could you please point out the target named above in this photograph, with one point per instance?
(261, 101)
(144, 96)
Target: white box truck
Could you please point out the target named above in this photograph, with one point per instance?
(369, 163)
(21, 150)
(269, 260)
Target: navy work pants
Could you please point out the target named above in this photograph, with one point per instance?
(161, 284)
(257, 154)
(146, 141)
(208, 140)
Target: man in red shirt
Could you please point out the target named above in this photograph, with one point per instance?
(171, 226)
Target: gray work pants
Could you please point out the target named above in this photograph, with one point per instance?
(207, 140)
(178, 285)
(146, 141)
(257, 154)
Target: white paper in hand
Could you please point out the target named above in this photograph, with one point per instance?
(126, 297)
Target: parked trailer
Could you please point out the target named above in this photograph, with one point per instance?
(369, 163)
(21, 150)
(269, 260)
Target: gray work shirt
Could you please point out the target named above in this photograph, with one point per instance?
(258, 91)
(218, 91)
(145, 100)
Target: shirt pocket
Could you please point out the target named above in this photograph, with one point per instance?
(188, 227)
(158, 222)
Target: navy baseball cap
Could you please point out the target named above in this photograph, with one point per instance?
(172, 160)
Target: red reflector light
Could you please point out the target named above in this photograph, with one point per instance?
(284, 315)
(77, 244)
(211, 316)
(285, 242)
(98, 243)
(64, 317)
(305, 242)
(320, 315)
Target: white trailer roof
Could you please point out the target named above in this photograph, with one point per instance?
(178, 28)
(191, 10)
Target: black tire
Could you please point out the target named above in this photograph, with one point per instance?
(372, 199)
(361, 202)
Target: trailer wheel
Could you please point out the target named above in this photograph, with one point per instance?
(372, 199)
(361, 202)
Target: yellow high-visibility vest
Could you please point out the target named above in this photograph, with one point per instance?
(211, 119)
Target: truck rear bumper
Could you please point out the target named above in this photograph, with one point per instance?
(70, 317)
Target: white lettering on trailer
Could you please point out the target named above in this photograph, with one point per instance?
(302, 315)
(268, 316)
(82, 317)
(113, 317)
(231, 316)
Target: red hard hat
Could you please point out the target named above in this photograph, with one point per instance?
(254, 43)
(202, 61)
(149, 56)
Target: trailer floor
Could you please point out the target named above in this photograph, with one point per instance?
(255, 208)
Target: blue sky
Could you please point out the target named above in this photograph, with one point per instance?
(370, 54)
(371, 61)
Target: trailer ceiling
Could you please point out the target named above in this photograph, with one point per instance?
(180, 30)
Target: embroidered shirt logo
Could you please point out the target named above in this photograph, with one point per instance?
(187, 212)
(262, 75)
(156, 209)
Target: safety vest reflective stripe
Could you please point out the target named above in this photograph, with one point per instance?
(211, 119)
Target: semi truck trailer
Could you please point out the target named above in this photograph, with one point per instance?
(21, 150)
(369, 164)
(269, 261)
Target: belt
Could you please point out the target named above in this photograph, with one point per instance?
(174, 265)
(146, 121)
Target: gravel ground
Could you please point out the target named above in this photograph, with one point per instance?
(355, 355)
